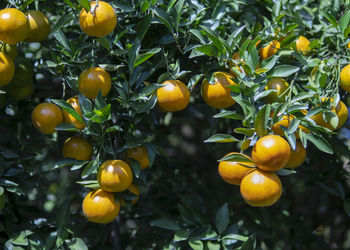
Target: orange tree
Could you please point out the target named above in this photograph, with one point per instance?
(174, 124)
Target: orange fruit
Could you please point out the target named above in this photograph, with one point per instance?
(260, 188)
(68, 118)
(302, 45)
(7, 69)
(271, 153)
(297, 156)
(115, 176)
(285, 122)
(98, 24)
(173, 96)
(232, 172)
(46, 116)
(348, 45)
(100, 206)
(39, 26)
(270, 49)
(77, 148)
(139, 154)
(134, 190)
(340, 110)
(14, 26)
(345, 78)
(92, 80)
(218, 95)
(278, 84)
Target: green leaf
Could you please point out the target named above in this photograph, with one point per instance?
(143, 26)
(235, 237)
(90, 168)
(178, 9)
(229, 115)
(268, 63)
(213, 245)
(61, 38)
(181, 235)
(20, 239)
(144, 57)
(165, 223)
(261, 120)
(221, 138)
(63, 213)
(114, 128)
(196, 244)
(222, 218)
(66, 127)
(164, 18)
(344, 22)
(85, 4)
(250, 244)
(64, 19)
(330, 18)
(85, 104)
(104, 42)
(68, 162)
(133, 53)
(236, 157)
(68, 108)
(283, 71)
(76, 244)
(93, 184)
(208, 49)
(136, 167)
(145, 6)
(321, 143)
(285, 172)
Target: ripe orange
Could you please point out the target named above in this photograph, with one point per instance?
(285, 122)
(7, 69)
(98, 24)
(173, 96)
(232, 172)
(271, 153)
(115, 176)
(340, 110)
(218, 95)
(139, 154)
(348, 45)
(77, 148)
(278, 84)
(345, 78)
(92, 80)
(39, 26)
(302, 45)
(46, 116)
(100, 206)
(260, 188)
(134, 190)
(297, 156)
(68, 118)
(10, 49)
(14, 26)
(270, 49)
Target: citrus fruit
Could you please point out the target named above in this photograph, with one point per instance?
(348, 45)
(285, 122)
(115, 176)
(173, 96)
(7, 69)
(92, 80)
(345, 78)
(20, 92)
(217, 95)
(100, 23)
(77, 148)
(10, 49)
(100, 206)
(271, 153)
(232, 172)
(139, 154)
(302, 45)
(68, 118)
(340, 110)
(260, 188)
(46, 116)
(134, 190)
(278, 84)
(297, 156)
(39, 26)
(14, 26)
(269, 49)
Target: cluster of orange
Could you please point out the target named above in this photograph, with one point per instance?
(100, 205)
(15, 27)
